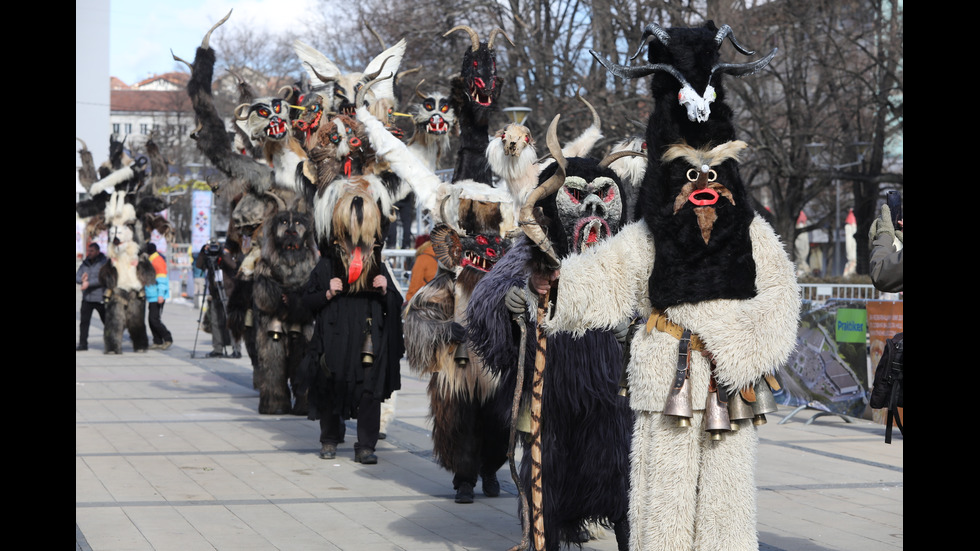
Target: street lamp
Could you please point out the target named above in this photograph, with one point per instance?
(517, 115)
(814, 150)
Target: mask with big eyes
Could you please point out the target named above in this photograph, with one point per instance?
(268, 119)
(588, 210)
(433, 114)
(482, 251)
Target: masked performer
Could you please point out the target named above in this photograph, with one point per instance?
(720, 300)
(357, 340)
(576, 454)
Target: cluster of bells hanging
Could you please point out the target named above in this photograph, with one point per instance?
(723, 411)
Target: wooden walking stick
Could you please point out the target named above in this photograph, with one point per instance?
(515, 411)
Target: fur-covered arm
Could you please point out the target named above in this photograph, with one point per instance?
(753, 337)
(108, 276)
(145, 272)
(429, 320)
(267, 293)
(402, 161)
(491, 331)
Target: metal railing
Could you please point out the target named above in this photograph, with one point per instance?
(822, 292)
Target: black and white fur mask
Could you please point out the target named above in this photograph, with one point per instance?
(587, 208)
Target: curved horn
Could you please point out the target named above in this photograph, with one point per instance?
(407, 72)
(474, 38)
(369, 81)
(652, 31)
(323, 79)
(595, 115)
(419, 94)
(241, 114)
(84, 147)
(527, 221)
(279, 200)
(743, 69)
(726, 31)
(189, 66)
(375, 33)
(494, 33)
(624, 71)
(445, 219)
(613, 157)
(207, 38)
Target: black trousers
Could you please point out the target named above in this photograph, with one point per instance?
(85, 312)
(332, 427)
(160, 332)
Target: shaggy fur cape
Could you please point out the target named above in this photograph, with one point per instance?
(586, 425)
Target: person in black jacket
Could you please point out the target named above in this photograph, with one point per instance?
(88, 277)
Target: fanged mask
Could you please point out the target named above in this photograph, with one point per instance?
(589, 210)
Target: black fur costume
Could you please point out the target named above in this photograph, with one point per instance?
(283, 324)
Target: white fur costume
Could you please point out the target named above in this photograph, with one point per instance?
(687, 491)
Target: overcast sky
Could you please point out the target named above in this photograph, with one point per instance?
(142, 32)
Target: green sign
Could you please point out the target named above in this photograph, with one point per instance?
(852, 325)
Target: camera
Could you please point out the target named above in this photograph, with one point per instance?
(894, 201)
(212, 249)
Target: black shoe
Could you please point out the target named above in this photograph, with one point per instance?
(382, 436)
(328, 451)
(365, 457)
(215, 355)
(81, 348)
(491, 486)
(464, 494)
(236, 354)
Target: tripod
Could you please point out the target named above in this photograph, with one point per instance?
(220, 319)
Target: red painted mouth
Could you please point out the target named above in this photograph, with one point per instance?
(703, 197)
(437, 125)
(276, 128)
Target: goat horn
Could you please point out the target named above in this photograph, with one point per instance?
(494, 33)
(323, 79)
(207, 38)
(84, 147)
(624, 71)
(417, 93)
(595, 115)
(613, 157)
(240, 114)
(652, 31)
(407, 72)
(726, 31)
(527, 221)
(743, 69)
(369, 81)
(189, 66)
(285, 92)
(473, 36)
(279, 200)
(375, 33)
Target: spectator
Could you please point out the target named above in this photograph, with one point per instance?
(887, 245)
(424, 268)
(88, 277)
(157, 294)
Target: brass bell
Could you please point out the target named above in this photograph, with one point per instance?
(716, 419)
(679, 402)
(367, 347)
(461, 356)
(275, 329)
(738, 409)
(764, 403)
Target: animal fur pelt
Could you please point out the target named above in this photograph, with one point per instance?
(86, 173)
(283, 324)
(211, 136)
(473, 97)
(630, 170)
(585, 424)
(434, 122)
(124, 278)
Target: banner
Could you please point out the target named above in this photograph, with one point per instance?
(885, 319)
(201, 203)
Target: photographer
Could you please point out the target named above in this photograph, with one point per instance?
(209, 260)
(886, 243)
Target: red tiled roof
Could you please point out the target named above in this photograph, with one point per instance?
(175, 77)
(143, 100)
